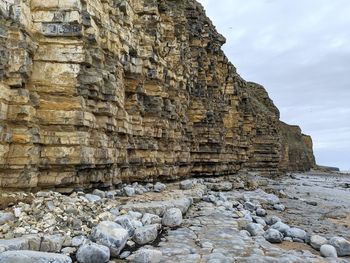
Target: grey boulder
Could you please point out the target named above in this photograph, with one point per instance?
(172, 217)
(297, 234)
(255, 229)
(27, 256)
(93, 253)
(273, 236)
(281, 227)
(126, 223)
(146, 234)
(317, 241)
(186, 185)
(341, 245)
(6, 217)
(112, 235)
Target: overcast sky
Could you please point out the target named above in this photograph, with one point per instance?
(300, 51)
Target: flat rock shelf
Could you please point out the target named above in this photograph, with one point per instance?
(228, 219)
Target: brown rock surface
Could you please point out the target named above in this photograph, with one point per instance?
(96, 92)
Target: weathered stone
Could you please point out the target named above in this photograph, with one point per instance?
(6, 217)
(341, 245)
(159, 187)
(281, 227)
(273, 236)
(26, 256)
(328, 251)
(296, 233)
(93, 253)
(255, 229)
(126, 223)
(172, 217)
(186, 184)
(112, 235)
(146, 234)
(317, 241)
(52, 243)
(149, 219)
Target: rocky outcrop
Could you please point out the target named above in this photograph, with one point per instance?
(95, 92)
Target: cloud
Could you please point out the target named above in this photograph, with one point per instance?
(300, 51)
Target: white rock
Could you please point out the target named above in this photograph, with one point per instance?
(260, 212)
(93, 253)
(279, 207)
(317, 241)
(271, 220)
(135, 215)
(99, 193)
(112, 235)
(172, 217)
(145, 234)
(52, 243)
(126, 223)
(328, 251)
(341, 245)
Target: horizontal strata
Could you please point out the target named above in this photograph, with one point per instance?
(93, 93)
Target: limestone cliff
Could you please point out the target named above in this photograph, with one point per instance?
(95, 92)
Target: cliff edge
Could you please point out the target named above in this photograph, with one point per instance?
(96, 92)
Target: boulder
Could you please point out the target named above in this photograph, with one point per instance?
(159, 187)
(317, 241)
(281, 227)
(92, 198)
(272, 220)
(6, 217)
(52, 243)
(126, 223)
(186, 185)
(146, 234)
(328, 251)
(27, 256)
(149, 219)
(172, 217)
(341, 245)
(93, 253)
(260, 212)
(129, 191)
(30, 242)
(110, 234)
(297, 234)
(273, 236)
(255, 229)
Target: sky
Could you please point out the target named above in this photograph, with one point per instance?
(299, 50)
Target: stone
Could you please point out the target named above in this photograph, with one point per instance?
(328, 251)
(271, 220)
(159, 187)
(145, 234)
(93, 253)
(28, 242)
(99, 193)
(149, 219)
(281, 227)
(126, 223)
(148, 256)
(77, 241)
(172, 217)
(92, 198)
(186, 185)
(279, 207)
(249, 206)
(296, 233)
(255, 229)
(260, 212)
(135, 215)
(317, 241)
(52, 243)
(129, 191)
(111, 235)
(273, 236)
(26, 256)
(6, 217)
(341, 245)
(124, 254)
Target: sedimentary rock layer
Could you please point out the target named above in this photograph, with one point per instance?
(95, 92)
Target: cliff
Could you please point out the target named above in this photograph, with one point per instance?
(96, 92)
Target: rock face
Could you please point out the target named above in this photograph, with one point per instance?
(98, 92)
